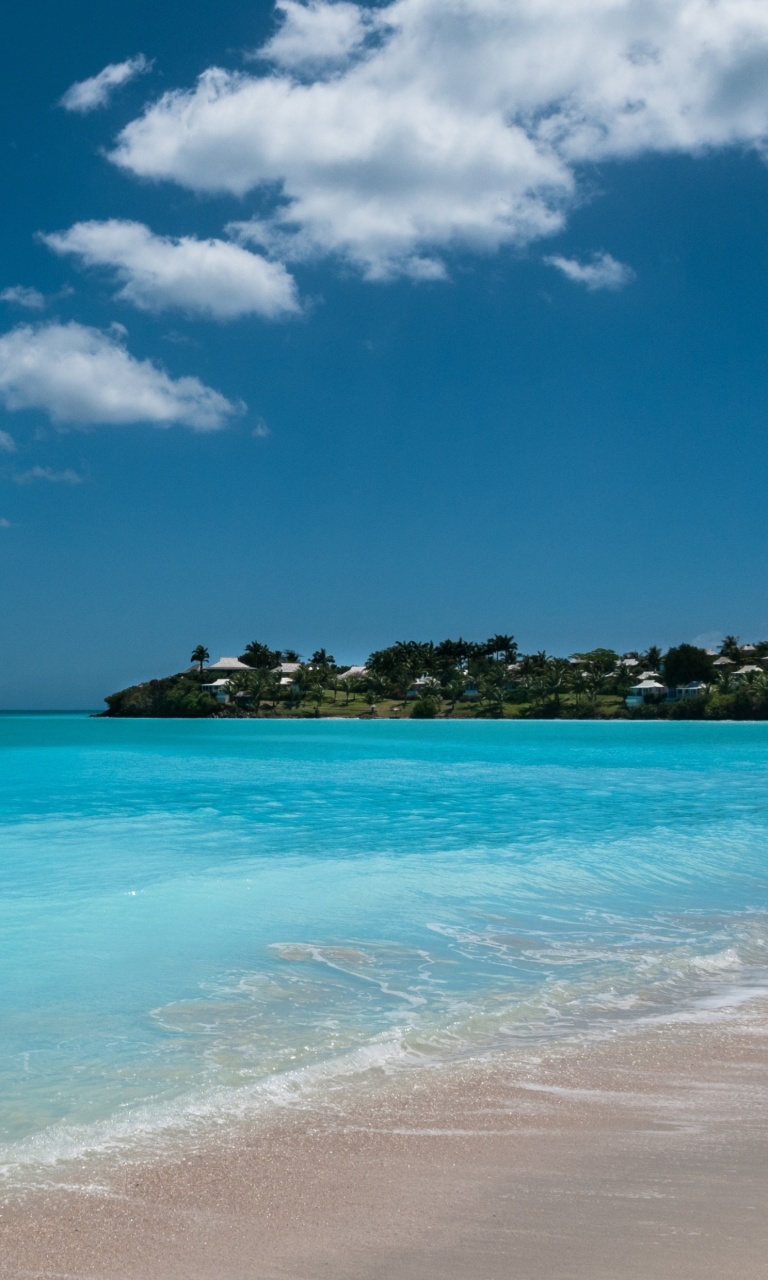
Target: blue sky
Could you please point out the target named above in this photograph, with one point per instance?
(412, 319)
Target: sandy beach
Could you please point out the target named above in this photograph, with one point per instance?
(644, 1156)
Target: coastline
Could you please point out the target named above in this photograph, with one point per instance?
(461, 679)
(636, 1156)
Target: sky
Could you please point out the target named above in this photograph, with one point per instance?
(329, 324)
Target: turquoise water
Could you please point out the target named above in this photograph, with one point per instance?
(196, 915)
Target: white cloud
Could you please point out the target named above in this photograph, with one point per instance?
(315, 33)
(87, 95)
(461, 123)
(602, 272)
(7, 443)
(211, 277)
(81, 376)
(4, 524)
(22, 295)
(50, 475)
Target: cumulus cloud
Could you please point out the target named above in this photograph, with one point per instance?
(81, 376)
(458, 123)
(316, 33)
(49, 474)
(87, 95)
(22, 295)
(7, 443)
(602, 272)
(209, 277)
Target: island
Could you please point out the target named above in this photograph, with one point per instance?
(462, 679)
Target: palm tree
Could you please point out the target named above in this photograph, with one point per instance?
(534, 663)
(432, 691)
(652, 657)
(262, 684)
(241, 687)
(493, 687)
(725, 680)
(290, 655)
(501, 644)
(257, 655)
(588, 683)
(307, 682)
(455, 689)
(730, 648)
(622, 681)
(579, 686)
(200, 655)
(351, 690)
(556, 678)
(272, 689)
(454, 653)
(310, 681)
(316, 693)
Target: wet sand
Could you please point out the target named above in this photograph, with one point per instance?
(641, 1158)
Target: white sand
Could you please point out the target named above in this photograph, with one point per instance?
(638, 1159)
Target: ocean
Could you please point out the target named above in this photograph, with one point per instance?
(201, 919)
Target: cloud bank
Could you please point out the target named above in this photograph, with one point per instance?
(394, 135)
(81, 376)
(207, 277)
(87, 95)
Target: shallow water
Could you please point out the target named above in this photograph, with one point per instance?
(195, 914)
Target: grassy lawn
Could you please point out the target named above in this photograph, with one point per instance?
(400, 709)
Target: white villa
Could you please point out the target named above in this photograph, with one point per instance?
(221, 672)
(690, 690)
(645, 691)
(227, 667)
(219, 689)
(654, 691)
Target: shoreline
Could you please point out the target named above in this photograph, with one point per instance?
(637, 1156)
(309, 718)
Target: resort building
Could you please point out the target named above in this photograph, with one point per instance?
(417, 686)
(287, 672)
(694, 689)
(645, 691)
(227, 667)
(655, 691)
(219, 689)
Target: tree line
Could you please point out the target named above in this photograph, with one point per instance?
(491, 678)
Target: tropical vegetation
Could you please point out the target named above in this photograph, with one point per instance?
(467, 679)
